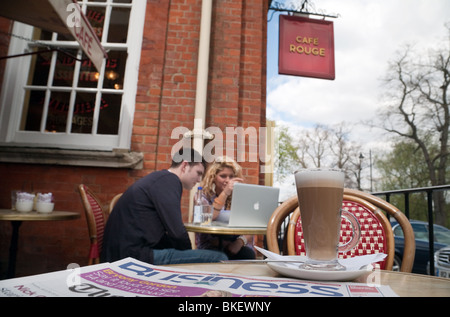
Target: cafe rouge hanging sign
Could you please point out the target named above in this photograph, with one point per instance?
(306, 47)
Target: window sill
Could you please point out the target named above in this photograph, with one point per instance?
(115, 159)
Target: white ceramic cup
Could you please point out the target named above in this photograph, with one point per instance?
(24, 206)
(43, 207)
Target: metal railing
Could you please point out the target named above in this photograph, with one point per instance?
(406, 194)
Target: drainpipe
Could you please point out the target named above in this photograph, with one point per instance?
(198, 133)
(202, 75)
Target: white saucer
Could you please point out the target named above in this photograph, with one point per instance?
(288, 269)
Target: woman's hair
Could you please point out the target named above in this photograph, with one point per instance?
(222, 162)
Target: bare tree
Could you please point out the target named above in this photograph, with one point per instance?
(329, 146)
(419, 110)
(313, 146)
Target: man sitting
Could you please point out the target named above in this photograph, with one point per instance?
(146, 222)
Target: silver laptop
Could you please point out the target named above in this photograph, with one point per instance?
(252, 205)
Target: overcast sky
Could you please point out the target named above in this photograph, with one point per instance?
(367, 35)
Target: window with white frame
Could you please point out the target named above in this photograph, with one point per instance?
(57, 98)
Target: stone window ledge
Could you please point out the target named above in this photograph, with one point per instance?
(115, 159)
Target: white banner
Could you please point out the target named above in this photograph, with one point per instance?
(78, 25)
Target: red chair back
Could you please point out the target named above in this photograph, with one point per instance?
(95, 217)
(373, 238)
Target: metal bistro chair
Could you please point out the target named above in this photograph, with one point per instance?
(376, 231)
(96, 220)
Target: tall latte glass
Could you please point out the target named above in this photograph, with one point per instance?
(320, 194)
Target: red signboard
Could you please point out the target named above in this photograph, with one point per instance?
(306, 47)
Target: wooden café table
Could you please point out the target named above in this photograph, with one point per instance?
(17, 218)
(225, 230)
(217, 229)
(403, 284)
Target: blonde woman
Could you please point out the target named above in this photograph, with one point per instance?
(218, 184)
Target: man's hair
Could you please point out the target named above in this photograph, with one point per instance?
(189, 155)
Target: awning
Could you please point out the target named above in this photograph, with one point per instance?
(61, 16)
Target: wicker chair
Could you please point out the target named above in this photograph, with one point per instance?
(376, 231)
(96, 220)
(113, 202)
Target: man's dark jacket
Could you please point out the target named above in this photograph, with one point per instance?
(146, 217)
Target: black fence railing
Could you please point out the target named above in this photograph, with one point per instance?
(430, 212)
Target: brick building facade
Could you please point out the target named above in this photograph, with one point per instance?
(164, 100)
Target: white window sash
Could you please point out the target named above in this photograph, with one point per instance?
(14, 88)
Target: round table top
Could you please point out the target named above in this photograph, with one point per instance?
(224, 229)
(13, 215)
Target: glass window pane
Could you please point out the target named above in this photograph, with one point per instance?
(115, 70)
(122, 1)
(83, 113)
(39, 34)
(108, 122)
(88, 74)
(32, 111)
(398, 231)
(420, 232)
(65, 37)
(64, 70)
(96, 17)
(442, 235)
(58, 108)
(118, 26)
(39, 68)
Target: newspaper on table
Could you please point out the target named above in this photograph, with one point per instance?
(132, 278)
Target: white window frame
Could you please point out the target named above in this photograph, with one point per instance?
(14, 90)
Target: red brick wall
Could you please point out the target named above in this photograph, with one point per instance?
(165, 100)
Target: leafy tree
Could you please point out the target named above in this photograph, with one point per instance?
(404, 167)
(286, 159)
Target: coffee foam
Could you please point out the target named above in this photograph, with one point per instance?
(319, 178)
